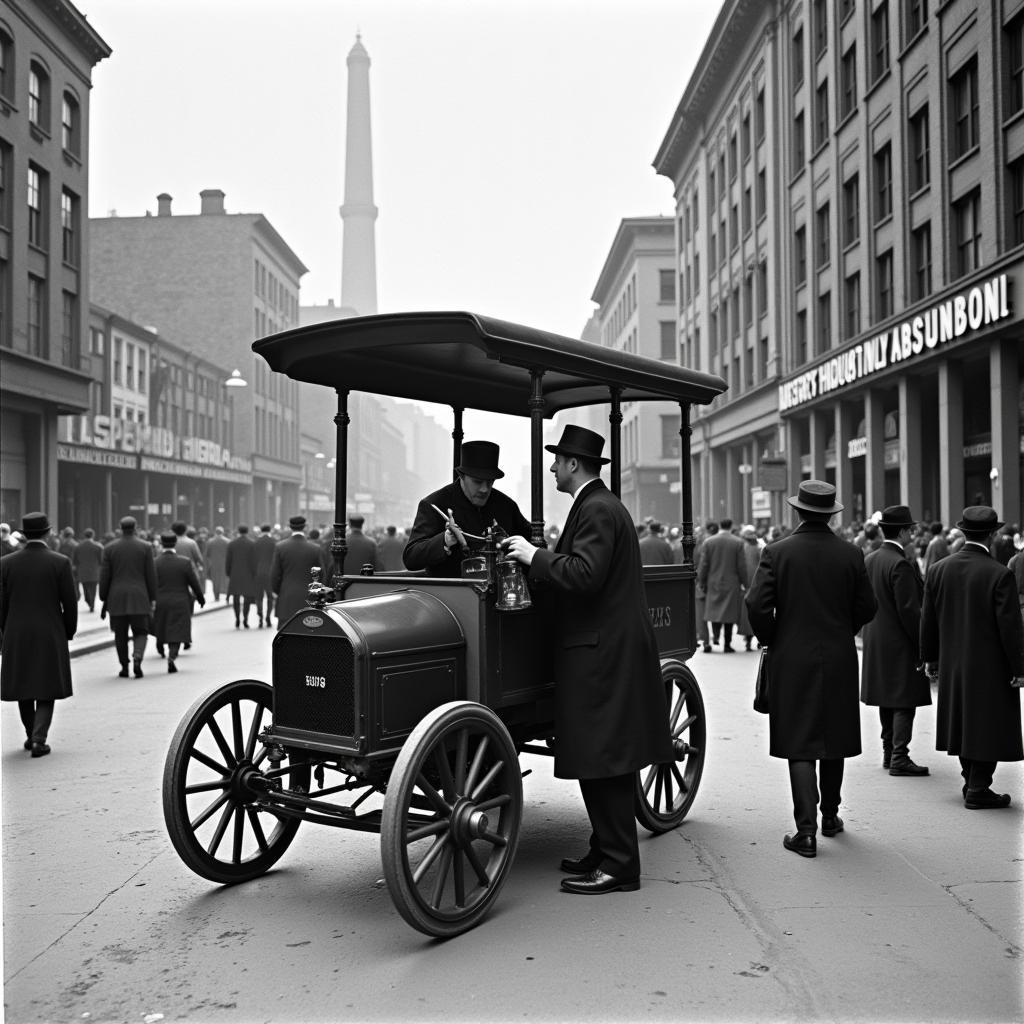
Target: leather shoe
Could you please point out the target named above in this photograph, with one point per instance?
(907, 768)
(28, 744)
(171, 667)
(124, 672)
(138, 669)
(831, 826)
(805, 845)
(597, 882)
(40, 750)
(887, 760)
(728, 649)
(707, 648)
(984, 799)
(581, 865)
(160, 650)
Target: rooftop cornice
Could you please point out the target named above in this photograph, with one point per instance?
(630, 229)
(77, 28)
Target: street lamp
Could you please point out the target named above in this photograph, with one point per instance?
(235, 380)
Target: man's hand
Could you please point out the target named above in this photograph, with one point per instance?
(931, 670)
(453, 535)
(520, 549)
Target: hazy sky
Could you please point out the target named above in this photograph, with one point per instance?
(509, 136)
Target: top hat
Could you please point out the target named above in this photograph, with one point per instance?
(896, 515)
(979, 518)
(479, 459)
(816, 496)
(128, 523)
(579, 442)
(168, 538)
(297, 522)
(35, 525)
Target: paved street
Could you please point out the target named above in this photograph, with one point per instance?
(912, 914)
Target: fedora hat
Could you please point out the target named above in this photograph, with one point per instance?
(579, 441)
(896, 515)
(979, 519)
(479, 459)
(816, 496)
(297, 522)
(35, 525)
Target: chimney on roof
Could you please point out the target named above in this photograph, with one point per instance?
(163, 205)
(212, 201)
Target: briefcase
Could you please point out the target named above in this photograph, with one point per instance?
(761, 687)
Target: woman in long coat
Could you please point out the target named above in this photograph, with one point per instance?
(176, 586)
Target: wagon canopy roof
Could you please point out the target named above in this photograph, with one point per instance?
(475, 362)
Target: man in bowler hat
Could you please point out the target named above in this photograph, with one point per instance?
(360, 549)
(290, 576)
(438, 543)
(611, 711)
(891, 673)
(38, 616)
(972, 640)
(809, 597)
(177, 587)
(128, 593)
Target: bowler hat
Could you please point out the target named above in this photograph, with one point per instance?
(128, 523)
(816, 496)
(168, 538)
(35, 525)
(579, 442)
(297, 522)
(356, 522)
(479, 459)
(979, 519)
(896, 515)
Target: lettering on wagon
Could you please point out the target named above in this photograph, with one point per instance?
(318, 681)
(661, 616)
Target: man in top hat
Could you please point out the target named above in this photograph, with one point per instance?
(360, 549)
(177, 588)
(264, 545)
(972, 640)
(38, 616)
(611, 712)
(290, 576)
(891, 676)
(128, 593)
(439, 541)
(809, 597)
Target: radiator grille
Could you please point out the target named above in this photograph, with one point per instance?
(300, 664)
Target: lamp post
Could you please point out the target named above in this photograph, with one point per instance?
(745, 469)
(232, 384)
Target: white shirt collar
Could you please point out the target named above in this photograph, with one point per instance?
(976, 544)
(896, 544)
(576, 493)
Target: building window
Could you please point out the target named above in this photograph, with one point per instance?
(36, 207)
(6, 65)
(69, 227)
(668, 339)
(1015, 64)
(846, 9)
(920, 171)
(711, 195)
(734, 226)
(798, 58)
(921, 255)
(917, 15)
(118, 360)
(824, 321)
(967, 233)
(800, 254)
(36, 316)
(696, 211)
(848, 96)
(666, 286)
(880, 41)
(762, 288)
(819, 26)
(1017, 202)
(800, 337)
(670, 437)
(799, 143)
(696, 274)
(963, 95)
(761, 195)
(823, 250)
(851, 303)
(6, 170)
(70, 122)
(851, 210)
(821, 115)
(883, 282)
(712, 251)
(748, 300)
(721, 175)
(883, 183)
(69, 330)
(733, 157)
(96, 341)
(759, 115)
(129, 366)
(747, 210)
(745, 138)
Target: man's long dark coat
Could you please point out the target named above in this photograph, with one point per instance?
(809, 597)
(176, 587)
(240, 566)
(290, 576)
(971, 625)
(611, 710)
(38, 616)
(889, 669)
(127, 577)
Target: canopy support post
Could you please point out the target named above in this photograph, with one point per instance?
(615, 421)
(339, 546)
(686, 482)
(457, 437)
(536, 458)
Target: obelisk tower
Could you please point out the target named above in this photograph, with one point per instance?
(358, 214)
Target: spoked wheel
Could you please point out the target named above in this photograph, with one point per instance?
(664, 792)
(212, 778)
(450, 826)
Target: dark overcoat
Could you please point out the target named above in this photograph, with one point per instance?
(809, 598)
(889, 668)
(127, 577)
(240, 566)
(289, 573)
(176, 587)
(216, 554)
(264, 546)
(971, 625)
(655, 550)
(391, 550)
(361, 550)
(611, 709)
(752, 557)
(723, 575)
(38, 616)
(87, 559)
(425, 549)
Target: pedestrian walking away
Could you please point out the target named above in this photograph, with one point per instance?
(177, 587)
(654, 548)
(38, 617)
(892, 674)
(751, 556)
(290, 576)
(66, 546)
(264, 593)
(86, 561)
(809, 597)
(128, 593)
(240, 565)
(216, 561)
(611, 709)
(391, 548)
(972, 642)
(360, 550)
(723, 577)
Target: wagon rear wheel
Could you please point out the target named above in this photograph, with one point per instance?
(212, 776)
(450, 826)
(665, 792)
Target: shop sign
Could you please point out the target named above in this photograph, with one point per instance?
(986, 303)
(973, 451)
(856, 447)
(760, 503)
(96, 457)
(891, 456)
(148, 464)
(771, 474)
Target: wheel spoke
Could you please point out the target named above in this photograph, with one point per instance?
(445, 771)
(260, 757)
(214, 728)
(460, 879)
(207, 787)
(236, 847)
(487, 780)
(254, 731)
(222, 825)
(442, 877)
(432, 795)
(495, 801)
(435, 828)
(683, 787)
(687, 722)
(494, 839)
(478, 760)
(651, 772)
(236, 729)
(677, 710)
(429, 857)
(474, 861)
(210, 811)
(668, 787)
(209, 761)
(656, 803)
(257, 828)
(460, 762)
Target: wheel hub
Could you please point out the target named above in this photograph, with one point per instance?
(680, 748)
(467, 823)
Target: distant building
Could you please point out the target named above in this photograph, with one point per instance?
(47, 53)
(214, 282)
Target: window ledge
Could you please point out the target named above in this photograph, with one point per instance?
(878, 81)
(1016, 116)
(7, 107)
(964, 157)
(882, 221)
(37, 133)
(914, 40)
(71, 159)
(923, 190)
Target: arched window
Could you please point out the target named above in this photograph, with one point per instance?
(70, 124)
(6, 64)
(38, 96)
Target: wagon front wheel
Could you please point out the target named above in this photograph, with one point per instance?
(450, 825)
(665, 792)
